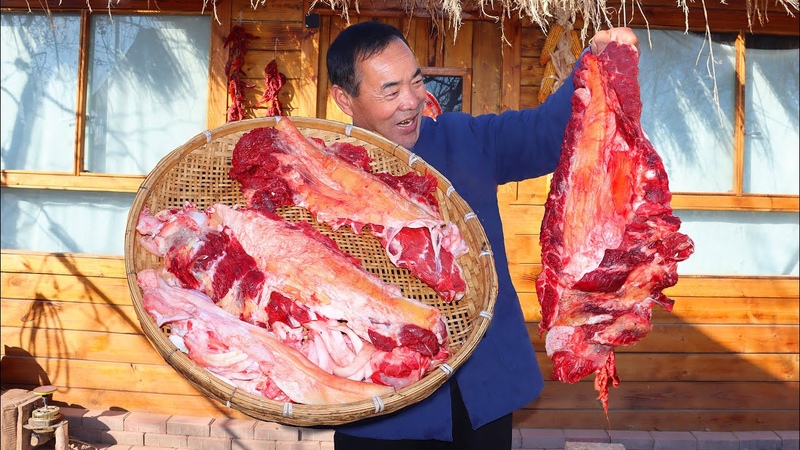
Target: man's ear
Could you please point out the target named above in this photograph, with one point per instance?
(342, 99)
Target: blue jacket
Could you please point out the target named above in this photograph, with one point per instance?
(476, 154)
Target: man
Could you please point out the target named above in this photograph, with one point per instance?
(376, 80)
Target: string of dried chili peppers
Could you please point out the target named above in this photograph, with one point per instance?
(273, 82)
(237, 39)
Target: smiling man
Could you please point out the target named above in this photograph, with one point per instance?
(377, 81)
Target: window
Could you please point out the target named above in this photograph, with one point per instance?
(732, 160)
(447, 90)
(90, 103)
(447, 86)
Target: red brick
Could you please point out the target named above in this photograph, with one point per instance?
(790, 439)
(673, 440)
(307, 445)
(166, 440)
(270, 431)
(190, 426)
(314, 434)
(516, 439)
(122, 437)
(632, 439)
(716, 440)
(592, 446)
(587, 436)
(146, 422)
(73, 415)
(85, 434)
(758, 440)
(104, 420)
(209, 443)
(542, 438)
(252, 444)
(233, 428)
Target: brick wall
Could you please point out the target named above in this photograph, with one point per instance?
(122, 430)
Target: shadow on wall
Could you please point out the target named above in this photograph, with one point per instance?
(702, 367)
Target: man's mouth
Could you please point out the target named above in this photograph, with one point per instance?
(406, 122)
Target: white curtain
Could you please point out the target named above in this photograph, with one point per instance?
(691, 130)
(39, 72)
(693, 134)
(772, 143)
(148, 83)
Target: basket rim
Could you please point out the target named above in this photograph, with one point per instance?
(301, 414)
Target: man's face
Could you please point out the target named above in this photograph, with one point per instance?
(390, 97)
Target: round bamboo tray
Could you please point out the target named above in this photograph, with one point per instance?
(197, 172)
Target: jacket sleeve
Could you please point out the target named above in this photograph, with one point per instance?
(527, 143)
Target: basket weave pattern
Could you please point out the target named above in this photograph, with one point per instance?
(197, 172)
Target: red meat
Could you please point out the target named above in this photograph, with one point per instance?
(297, 283)
(279, 166)
(610, 243)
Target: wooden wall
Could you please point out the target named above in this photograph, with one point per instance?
(726, 358)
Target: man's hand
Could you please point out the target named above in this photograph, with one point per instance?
(623, 35)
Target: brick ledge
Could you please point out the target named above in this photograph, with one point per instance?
(122, 430)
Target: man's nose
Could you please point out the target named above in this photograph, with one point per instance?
(410, 100)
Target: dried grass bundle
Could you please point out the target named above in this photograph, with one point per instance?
(595, 13)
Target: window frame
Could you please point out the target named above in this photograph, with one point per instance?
(79, 179)
(737, 199)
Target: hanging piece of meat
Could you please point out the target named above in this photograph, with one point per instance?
(273, 82)
(610, 243)
(295, 283)
(279, 166)
(237, 40)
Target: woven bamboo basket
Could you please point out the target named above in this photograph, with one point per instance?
(197, 172)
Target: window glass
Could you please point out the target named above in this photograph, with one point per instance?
(691, 130)
(446, 90)
(39, 71)
(148, 82)
(741, 243)
(772, 102)
(64, 221)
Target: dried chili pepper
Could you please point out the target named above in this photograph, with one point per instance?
(273, 82)
(237, 39)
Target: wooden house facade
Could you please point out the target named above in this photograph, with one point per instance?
(726, 358)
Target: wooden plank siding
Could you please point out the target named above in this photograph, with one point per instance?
(729, 349)
(725, 359)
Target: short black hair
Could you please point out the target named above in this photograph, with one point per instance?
(357, 43)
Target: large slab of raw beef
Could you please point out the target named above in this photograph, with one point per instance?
(279, 166)
(610, 243)
(295, 283)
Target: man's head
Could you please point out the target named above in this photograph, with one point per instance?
(375, 79)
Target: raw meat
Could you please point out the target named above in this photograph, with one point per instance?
(296, 282)
(610, 243)
(247, 355)
(279, 166)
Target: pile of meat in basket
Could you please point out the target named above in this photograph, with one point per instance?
(307, 272)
